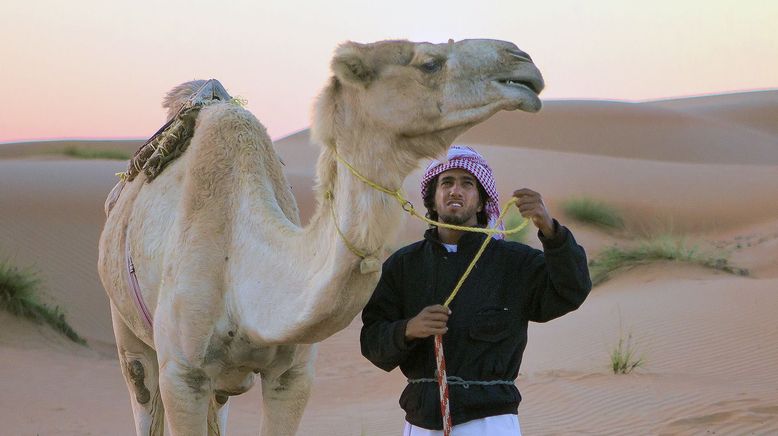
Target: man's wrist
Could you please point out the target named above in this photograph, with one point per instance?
(406, 334)
(403, 341)
(557, 240)
(549, 229)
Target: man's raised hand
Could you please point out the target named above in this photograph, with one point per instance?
(531, 206)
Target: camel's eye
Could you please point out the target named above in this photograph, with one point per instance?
(432, 66)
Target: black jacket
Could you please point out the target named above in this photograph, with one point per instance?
(510, 285)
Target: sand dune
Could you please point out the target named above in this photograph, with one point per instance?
(705, 167)
(756, 110)
(629, 130)
(40, 149)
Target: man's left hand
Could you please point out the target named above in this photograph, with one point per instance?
(531, 206)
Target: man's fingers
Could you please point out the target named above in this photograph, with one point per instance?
(523, 192)
(436, 317)
(529, 210)
(438, 308)
(437, 331)
(435, 322)
(435, 325)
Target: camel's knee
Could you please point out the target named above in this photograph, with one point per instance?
(185, 381)
(295, 379)
(196, 380)
(295, 382)
(137, 375)
(140, 371)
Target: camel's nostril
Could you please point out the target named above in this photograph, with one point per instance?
(522, 56)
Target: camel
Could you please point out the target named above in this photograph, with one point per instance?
(235, 285)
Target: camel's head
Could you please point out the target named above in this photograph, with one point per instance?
(423, 94)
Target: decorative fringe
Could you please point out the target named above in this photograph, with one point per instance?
(239, 101)
(174, 137)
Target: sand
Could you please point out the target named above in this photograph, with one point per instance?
(704, 168)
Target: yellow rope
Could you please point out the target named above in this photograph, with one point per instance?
(480, 252)
(353, 249)
(408, 207)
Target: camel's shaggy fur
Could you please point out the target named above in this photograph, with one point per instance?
(236, 286)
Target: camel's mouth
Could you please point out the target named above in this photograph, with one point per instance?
(525, 83)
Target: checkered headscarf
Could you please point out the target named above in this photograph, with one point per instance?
(469, 160)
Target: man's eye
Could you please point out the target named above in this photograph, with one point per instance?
(432, 66)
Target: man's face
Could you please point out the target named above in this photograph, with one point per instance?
(457, 200)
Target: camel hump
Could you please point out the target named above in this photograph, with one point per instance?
(171, 140)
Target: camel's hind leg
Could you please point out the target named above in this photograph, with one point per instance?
(141, 373)
(284, 397)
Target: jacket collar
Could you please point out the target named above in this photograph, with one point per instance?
(468, 241)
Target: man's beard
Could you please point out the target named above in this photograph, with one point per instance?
(456, 220)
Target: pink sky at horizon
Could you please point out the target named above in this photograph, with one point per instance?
(92, 69)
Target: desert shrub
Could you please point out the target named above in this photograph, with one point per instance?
(594, 212)
(88, 153)
(660, 248)
(623, 357)
(18, 295)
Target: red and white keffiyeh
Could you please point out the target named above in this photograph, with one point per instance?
(466, 158)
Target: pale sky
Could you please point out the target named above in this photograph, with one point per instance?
(99, 69)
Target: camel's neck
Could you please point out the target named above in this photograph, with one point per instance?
(322, 283)
(363, 214)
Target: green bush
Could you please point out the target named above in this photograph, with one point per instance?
(661, 248)
(18, 296)
(593, 212)
(623, 358)
(88, 153)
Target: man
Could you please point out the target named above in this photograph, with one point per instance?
(485, 330)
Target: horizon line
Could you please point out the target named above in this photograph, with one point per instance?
(302, 129)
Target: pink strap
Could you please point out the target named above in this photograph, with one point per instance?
(137, 296)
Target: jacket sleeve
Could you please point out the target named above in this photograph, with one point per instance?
(558, 278)
(382, 338)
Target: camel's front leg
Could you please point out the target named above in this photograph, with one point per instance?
(284, 396)
(186, 392)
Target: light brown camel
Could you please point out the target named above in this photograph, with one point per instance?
(235, 285)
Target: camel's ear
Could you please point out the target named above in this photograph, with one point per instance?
(350, 64)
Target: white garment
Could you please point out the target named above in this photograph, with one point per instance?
(500, 425)
(451, 248)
